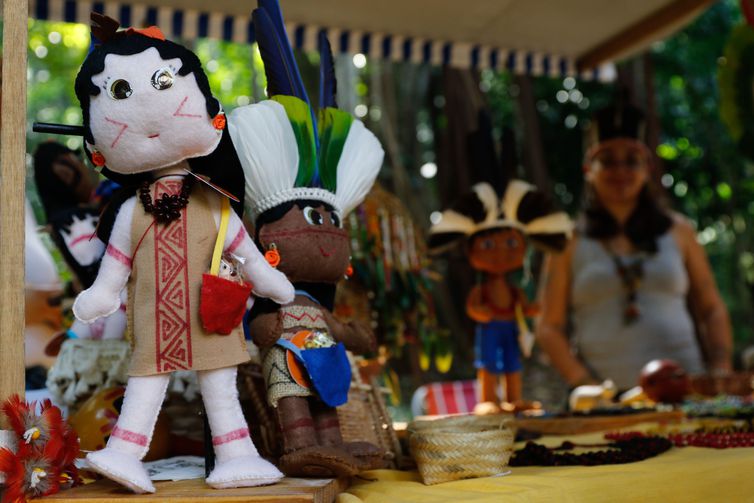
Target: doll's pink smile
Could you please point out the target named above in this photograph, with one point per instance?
(83, 237)
(324, 252)
(153, 135)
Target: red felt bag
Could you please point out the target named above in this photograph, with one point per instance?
(222, 299)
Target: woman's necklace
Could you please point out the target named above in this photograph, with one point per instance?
(167, 208)
(631, 272)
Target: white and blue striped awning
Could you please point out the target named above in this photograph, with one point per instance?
(188, 24)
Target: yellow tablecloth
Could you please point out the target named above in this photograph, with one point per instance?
(685, 475)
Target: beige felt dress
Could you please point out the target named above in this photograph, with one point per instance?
(164, 289)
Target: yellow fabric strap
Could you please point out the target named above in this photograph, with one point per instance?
(521, 319)
(214, 268)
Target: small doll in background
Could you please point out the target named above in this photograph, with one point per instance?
(304, 174)
(147, 111)
(495, 233)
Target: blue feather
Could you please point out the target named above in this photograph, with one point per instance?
(281, 77)
(281, 69)
(275, 17)
(328, 85)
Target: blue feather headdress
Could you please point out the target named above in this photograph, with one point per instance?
(288, 151)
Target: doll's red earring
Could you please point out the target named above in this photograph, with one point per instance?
(349, 270)
(272, 255)
(97, 158)
(219, 121)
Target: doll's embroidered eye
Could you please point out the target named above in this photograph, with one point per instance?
(512, 243)
(487, 244)
(162, 79)
(312, 216)
(120, 89)
(335, 219)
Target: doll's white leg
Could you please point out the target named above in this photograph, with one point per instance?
(130, 438)
(238, 462)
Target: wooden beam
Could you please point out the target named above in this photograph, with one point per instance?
(12, 193)
(642, 32)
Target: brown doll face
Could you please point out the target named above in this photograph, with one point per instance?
(312, 243)
(497, 252)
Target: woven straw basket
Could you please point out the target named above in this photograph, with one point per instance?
(461, 447)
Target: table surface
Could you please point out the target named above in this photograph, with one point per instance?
(685, 474)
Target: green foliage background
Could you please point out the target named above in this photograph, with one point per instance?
(705, 175)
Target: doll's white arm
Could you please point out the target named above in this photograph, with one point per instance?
(103, 297)
(267, 281)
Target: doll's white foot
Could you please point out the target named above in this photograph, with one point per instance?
(246, 471)
(126, 469)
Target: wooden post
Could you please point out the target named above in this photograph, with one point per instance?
(12, 192)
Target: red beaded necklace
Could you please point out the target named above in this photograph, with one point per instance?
(715, 438)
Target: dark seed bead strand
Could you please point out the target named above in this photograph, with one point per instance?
(620, 452)
(168, 207)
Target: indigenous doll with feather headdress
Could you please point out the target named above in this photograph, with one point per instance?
(149, 120)
(495, 233)
(304, 174)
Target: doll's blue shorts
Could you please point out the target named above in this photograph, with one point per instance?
(496, 347)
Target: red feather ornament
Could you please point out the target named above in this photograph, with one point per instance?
(47, 451)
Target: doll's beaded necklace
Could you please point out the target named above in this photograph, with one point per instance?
(167, 208)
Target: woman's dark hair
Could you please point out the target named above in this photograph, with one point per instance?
(55, 196)
(649, 220)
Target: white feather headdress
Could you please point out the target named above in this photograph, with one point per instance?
(270, 152)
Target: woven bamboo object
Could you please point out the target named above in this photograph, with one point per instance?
(461, 447)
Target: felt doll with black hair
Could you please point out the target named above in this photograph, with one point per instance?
(304, 173)
(495, 233)
(147, 110)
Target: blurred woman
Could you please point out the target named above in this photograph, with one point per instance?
(634, 285)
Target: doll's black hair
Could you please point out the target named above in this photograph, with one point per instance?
(222, 165)
(62, 221)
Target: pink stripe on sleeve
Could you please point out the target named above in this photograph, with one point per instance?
(118, 255)
(237, 240)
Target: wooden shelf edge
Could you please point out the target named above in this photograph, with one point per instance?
(288, 490)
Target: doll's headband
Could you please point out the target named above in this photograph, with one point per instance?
(105, 29)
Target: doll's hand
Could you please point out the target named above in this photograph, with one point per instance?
(360, 339)
(266, 329)
(94, 303)
(269, 282)
(480, 314)
(355, 335)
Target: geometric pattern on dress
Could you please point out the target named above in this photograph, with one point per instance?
(172, 306)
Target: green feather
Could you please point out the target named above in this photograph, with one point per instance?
(333, 126)
(301, 121)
